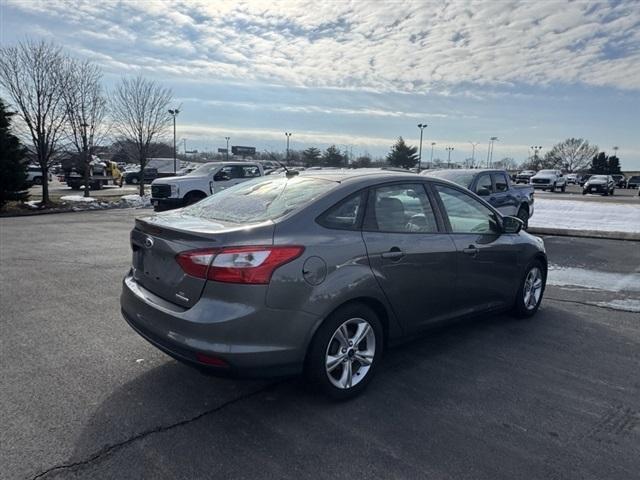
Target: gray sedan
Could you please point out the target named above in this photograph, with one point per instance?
(318, 272)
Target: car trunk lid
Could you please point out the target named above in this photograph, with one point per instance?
(157, 240)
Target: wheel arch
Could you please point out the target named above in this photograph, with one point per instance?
(195, 191)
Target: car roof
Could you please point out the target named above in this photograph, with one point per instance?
(355, 174)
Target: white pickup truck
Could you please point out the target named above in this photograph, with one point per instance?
(207, 179)
(549, 180)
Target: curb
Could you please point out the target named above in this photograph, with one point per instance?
(566, 232)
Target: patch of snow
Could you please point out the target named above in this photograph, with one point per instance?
(136, 201)
(577, 215)
(78, 198)
(625, 304)
(593, 279)
(33, 203)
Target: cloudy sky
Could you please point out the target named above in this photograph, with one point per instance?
(359, 74)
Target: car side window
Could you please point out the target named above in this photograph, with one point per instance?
(403, 208)
(501, 182)
(483, 185)
(466, 214)
(250, 171)
(345, 215)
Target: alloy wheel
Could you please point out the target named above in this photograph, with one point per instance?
(350, 353)
(532, 288)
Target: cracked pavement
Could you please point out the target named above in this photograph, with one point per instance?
(83, 396)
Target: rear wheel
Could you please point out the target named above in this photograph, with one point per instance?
(531, 290)
(345, 352)
(134, 180)
(563, 188)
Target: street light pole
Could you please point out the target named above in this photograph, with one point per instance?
(227, 153)
(288, 135)
(85, 154)
(615, 150)
(473, 153)
(490, 151)
(536, 149)
(421, 126)
(449, 149)
(433, 144)
(174, 113)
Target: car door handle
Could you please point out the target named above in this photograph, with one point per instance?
(470, 250)
(393, 254)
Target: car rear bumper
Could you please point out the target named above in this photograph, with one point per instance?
(251, 342)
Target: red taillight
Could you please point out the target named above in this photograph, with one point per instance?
(252, 265)
(209, 360)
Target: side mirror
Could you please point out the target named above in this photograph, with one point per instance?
(512, 224)
(483, 191)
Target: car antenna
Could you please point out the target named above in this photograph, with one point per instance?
(287, 172)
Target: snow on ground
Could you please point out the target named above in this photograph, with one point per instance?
(584, 278)
(136, 201)
(577, 215)
(77, 198)
(625, 304)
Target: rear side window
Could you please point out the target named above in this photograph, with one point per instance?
(403, 208)
(501, 182)
(346, 215)
(260, 199)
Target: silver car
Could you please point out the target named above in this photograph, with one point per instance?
(318, 272)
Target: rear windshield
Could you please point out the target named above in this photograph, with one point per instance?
(261, 199)
(463, 179)
(598, 177)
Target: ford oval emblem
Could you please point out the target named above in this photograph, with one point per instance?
(148, 242)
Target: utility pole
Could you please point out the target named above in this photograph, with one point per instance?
(433, 144)
(473, 153)
(288, 135)
(174, 113)
(421, 126)
(449, 149)
(227, 154)
(85, 154)
(615, 151)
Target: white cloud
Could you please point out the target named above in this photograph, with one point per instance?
(411, 46)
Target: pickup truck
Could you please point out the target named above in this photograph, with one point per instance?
(496, 188)
(549, 180)
(207, 179)
(524, 176)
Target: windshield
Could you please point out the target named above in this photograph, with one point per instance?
(463, 179)
(527, 172)
(260, 199)
(205, 169)
(598, 177)
(547, 172)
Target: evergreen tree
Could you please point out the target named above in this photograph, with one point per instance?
(613, 165)
(402, 155)
(311, 156)
(363, 161)
(599, 164)
(13, 165)
(332, 157)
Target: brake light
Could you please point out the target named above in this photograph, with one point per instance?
(249, 265)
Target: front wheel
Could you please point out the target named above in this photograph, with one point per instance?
(563, 188)
(345, 352)
(523, 214)
(531, 290)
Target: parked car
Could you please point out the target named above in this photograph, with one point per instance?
(319, 272)
(209, 178)
(549, 180)
(34, 175)
(621, 180)
(495, 187)
(524, 176)
(572, 178)
(603, 184)
(583, 179)
(633, 182)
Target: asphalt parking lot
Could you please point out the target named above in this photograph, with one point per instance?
(83, 396)
(574, 192)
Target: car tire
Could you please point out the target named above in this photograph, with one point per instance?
(563, 188)
(530, 292)
(193, 197)
(612, 191)
(553, 189)
(523, 214)
(584, 192)
(134, 181)
(332, 348)
(37, 181)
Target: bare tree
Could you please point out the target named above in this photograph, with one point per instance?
(86, 107)
(33, 75)
(140, 115)
(572, 154)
